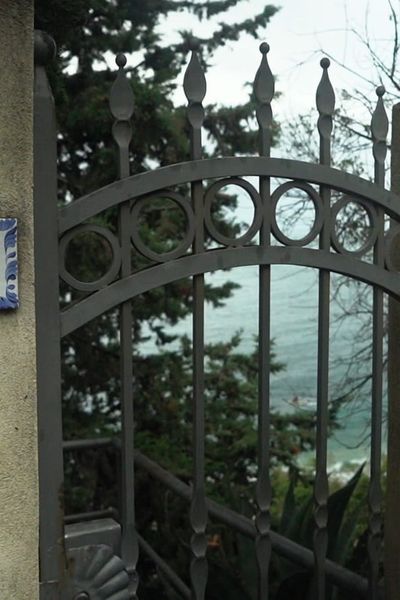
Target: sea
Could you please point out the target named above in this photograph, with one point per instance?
(294, 330)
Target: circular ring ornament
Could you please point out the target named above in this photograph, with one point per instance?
(318, 207)
(392, 247)
(369, 242)
(109, 276)
(182, 246)
(257, 219)
(95, 572)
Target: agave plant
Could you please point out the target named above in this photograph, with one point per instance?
(297, 524)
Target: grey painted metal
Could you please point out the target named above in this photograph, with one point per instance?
(318, 207)
(294, 552)
(264, 86)
(51, 476)
(91, 515)
(379, 129)
(228, 258)
(145, 183)
(113, 270)
(284, 547)
(95, 573)
(257, 219)
(71, 445)
(325, 105)
(392, 539)
(93, 532)
(182, 246)
(165, 569)
(194, 85)
(371, 239)
(119, 286)
(121, 105)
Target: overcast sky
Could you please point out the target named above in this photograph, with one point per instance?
(298, 34)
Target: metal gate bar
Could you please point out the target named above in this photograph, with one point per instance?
(325, 101)
(194, 86)
(379, 127)
(336, 574)
(294, 552)
(264, 86)
(121, 105)
(51, 471)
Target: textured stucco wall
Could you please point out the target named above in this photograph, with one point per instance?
(18, 443)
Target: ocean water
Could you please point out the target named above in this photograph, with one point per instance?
(294, 329)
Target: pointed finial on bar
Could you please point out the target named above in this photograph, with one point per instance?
(195, 87)
(325, 97)
(121, 105)
(121, 95)
(264, 85)
(264, 88)
(45, 48)
(325, 100)
(194, 82)
(379, 131)
(44, 51)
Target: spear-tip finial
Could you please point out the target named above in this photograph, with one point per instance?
(44, 47)
(264, 85)
(121, 95)
(264, 88)
(379, 131)
(379, 120)
(194, 81)
(325, 63)
(325, 98)
(120, 60)
(380, 91)
(194, 44)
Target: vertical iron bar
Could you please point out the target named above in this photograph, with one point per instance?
(195, 89)
(121, 105)
(51, 473)
(263, 92)
(392, 500)
(325, 101)
(379, 128)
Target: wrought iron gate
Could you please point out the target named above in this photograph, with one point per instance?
(97, 559)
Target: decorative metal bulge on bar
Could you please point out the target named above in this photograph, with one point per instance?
(263, 244)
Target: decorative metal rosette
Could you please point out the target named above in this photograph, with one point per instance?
(95, 573)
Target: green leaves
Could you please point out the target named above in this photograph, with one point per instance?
(297, 523)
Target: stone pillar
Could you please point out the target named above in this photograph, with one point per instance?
(18, 415)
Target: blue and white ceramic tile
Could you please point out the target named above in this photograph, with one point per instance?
(8, 264)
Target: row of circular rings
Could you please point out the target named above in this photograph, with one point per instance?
(189, 234)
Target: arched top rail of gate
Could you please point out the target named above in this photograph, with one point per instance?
(162, 178)
(320, 182)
